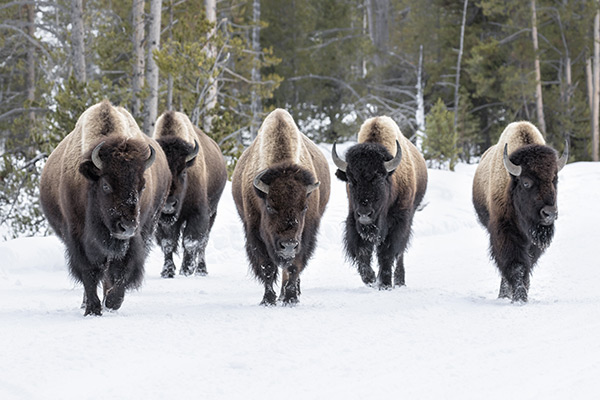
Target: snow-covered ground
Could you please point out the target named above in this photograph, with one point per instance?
(443, 336)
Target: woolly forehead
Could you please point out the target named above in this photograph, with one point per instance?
(119, 151)
(287, 184)
(175, 149)
(537, 160)
(367, 158)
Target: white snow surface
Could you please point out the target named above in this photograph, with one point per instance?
(443, 336)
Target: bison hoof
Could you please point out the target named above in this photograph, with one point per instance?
(95, 309)
(201, 270)
(290, 301)
(168, 270)
(520, 295)
(384, 286)
(269, 299)
(114, 299)
(185, 271)
(368, 277)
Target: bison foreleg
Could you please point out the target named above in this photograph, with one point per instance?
(123, 274)
(505, 291)
(290, 285)
(90, 279)
(195, 239)
(167, 237)
(360, 253)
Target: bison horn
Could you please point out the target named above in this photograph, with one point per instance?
(562, 161)
(151, 158)
(394, 162)
(259, 184)
(194, 152)
(312, 188)
(96, 157)
(341, 164)
(512, 169)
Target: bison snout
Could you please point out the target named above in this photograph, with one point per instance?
(287, 248)
(170, 206)
(124, 229)
(549, 214)
(365, 217)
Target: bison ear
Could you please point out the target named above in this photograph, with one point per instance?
(89, 170)
(341, 175)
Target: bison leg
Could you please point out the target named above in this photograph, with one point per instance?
(360, 252)
(124, 274)
(264, 270)
(168, 238)
(290, 285)
(90, 279)
(399, 271)
(505, 291)
(195, 239)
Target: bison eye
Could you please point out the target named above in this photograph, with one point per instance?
(106, 188)
(271, 210)
(527, 183)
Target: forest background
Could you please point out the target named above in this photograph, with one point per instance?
(452, 74)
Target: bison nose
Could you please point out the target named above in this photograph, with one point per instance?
(170, 206)
(287, 248)
(365, 217)
(548, 214)
(124, 229)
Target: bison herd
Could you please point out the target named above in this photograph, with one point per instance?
(109, 191)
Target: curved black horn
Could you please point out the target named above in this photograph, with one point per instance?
(95, 156)
(194, 152)
(259, 184)
(562, 161)
(151, 158)
(341, 164)
(512, 169)
(394, 162)
(312, 188)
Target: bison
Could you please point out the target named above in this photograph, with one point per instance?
(386, 180)
(198, 176)
(280, 187)
(515, 199)
(102, 190)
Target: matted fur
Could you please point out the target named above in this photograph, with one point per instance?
(66, 195)
(196, 185)
(291, 159)
(388, 199)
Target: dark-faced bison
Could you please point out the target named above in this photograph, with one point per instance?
(102, 189)
(198, 176)
(515, 199)
(280, 187)
(386, 180)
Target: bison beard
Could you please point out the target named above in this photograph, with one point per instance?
(541, 236)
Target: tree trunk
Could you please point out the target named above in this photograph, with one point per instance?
(378, 14)
(420, 116)
(596, 92)
(151, 105)
(538, 73)
(211, 52)
(31, 60)
(458, 63)
(137, 81)
(170, 77)
(77, 40)
(255, 107)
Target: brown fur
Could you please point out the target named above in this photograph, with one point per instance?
(285, 151)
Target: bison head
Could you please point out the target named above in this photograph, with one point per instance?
(180, 156)
(115, 171)
(533, 170)
(367, 171)
(284, 191)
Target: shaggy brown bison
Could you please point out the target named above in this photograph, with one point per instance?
(102, 189)
(386, 180)
(198, 176)
(280, 187)
(515, 199)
